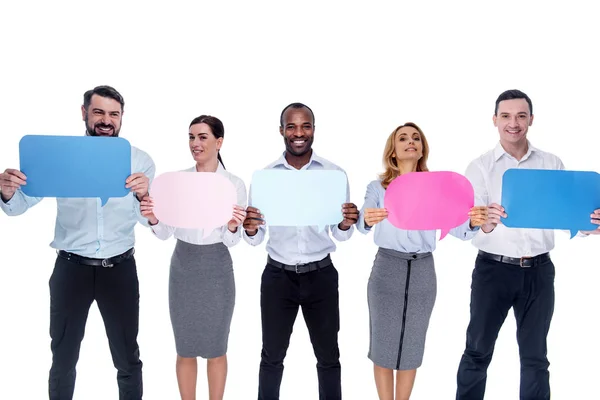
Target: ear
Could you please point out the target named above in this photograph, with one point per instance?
(219, 143)
(281, 130)
(494, 119)
(393, 155)
(531, 120)
(83, 113)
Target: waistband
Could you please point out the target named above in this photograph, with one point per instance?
(301, 268)
(523, 262)
(403, 256)
(96, 262)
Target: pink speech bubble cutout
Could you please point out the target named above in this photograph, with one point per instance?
(429, 200)
(193, 200)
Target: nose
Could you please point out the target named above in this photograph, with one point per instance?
(298, 132)
(106, 119)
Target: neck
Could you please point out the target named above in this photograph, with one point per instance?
(407, 166)
(298, 161)
(517, 150)
(209, 166)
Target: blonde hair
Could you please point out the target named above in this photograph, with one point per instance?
(389, 163)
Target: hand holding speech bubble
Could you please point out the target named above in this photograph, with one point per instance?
(429, 200)
(193, 200)
(550, 199)
(299, 198)
(75, 166)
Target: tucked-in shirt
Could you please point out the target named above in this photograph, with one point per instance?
(302, 244)
(86, 228)
(390, 237)
(485, 174)
(218, 235)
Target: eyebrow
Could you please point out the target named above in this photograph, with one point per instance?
(102, 110)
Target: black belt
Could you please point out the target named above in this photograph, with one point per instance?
(524, 262)
(96, 262)
(301, 268)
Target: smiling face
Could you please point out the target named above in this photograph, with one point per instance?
(204, 146)
(297, 131)
(513, 120)
(103, 116)
(408, 144)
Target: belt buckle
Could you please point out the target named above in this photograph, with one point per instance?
(297, 265)
(521, 262)
(105, 263)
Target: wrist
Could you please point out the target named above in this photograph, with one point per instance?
(343, 227)
(232, 229)
(487, 228)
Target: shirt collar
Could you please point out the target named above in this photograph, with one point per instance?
(499, 151)
(220, 168)
(282, 161)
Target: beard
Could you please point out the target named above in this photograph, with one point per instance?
(91, 130)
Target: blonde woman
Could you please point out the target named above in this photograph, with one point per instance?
(402, 287)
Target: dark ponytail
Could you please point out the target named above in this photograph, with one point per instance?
(216, 126)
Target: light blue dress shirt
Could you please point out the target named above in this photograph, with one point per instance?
(302, 244)
(84, 227)
(390, 237)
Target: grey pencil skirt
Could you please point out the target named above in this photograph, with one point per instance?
(401, 294)
(201, 299)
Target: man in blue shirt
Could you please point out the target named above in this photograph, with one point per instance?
(95, 259)
(299, 271)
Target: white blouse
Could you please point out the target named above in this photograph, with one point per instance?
(218, 235)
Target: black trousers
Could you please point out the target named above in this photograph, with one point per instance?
(73, 288)
(282, 293)
(497, 287)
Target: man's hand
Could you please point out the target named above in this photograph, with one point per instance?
(350, 213)
(138, 183)
(595, 220)
(10, 181)
(489, 223)
(254, 219)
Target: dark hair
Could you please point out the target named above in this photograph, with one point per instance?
(104, 91)
(216, 126)
(296, 105)
(513, 94)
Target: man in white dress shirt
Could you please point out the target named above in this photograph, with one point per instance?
(513, 266)
(299, 270)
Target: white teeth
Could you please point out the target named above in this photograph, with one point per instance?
(298, 141)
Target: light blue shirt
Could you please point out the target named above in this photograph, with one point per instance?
(302, 244)
(390, 237)
(86, 228)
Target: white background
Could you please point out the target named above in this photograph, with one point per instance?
(364, 68)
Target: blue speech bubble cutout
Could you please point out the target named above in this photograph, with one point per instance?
(299, 197)
(550, 199)
(75, 166)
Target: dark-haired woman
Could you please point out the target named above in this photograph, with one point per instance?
(201, 282)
